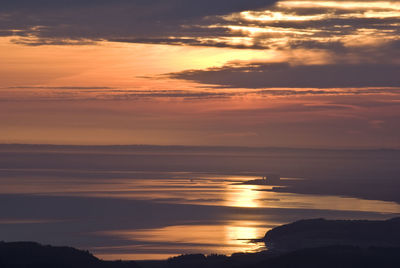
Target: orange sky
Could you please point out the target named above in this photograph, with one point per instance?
(209, 88)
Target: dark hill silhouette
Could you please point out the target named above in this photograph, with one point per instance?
(321, 232)
(34, 255)
(326, 257)
(335, 257)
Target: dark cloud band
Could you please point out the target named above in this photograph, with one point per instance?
(268, 75)
(101, 19)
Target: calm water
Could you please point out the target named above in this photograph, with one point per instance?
(153, 215)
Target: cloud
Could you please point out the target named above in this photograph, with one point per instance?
(162, 8)
(74, 93)
(103, 19)
(34, 41)
(288, 108)
(198, 41)
(256, 24)
(270, 75)
(62, 88)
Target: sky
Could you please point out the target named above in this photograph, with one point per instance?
(318, 74)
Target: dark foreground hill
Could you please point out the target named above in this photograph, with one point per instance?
(34, 255)
(324, 257)
(321, 232)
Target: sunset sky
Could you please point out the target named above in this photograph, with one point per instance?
(188, 72)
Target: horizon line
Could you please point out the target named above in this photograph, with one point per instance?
(181, 146)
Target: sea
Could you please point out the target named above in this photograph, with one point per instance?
(151, 202)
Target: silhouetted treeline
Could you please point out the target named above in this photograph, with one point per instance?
(324, 257)
(34, 255)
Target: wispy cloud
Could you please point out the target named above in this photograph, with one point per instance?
(60, 88)
(74, 93)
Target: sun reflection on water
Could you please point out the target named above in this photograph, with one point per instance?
(243, 196)
(223, 238)
(240, 233)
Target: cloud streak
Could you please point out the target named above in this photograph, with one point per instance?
(73, 93)
(269, 75)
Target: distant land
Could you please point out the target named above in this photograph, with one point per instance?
(307, 243)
